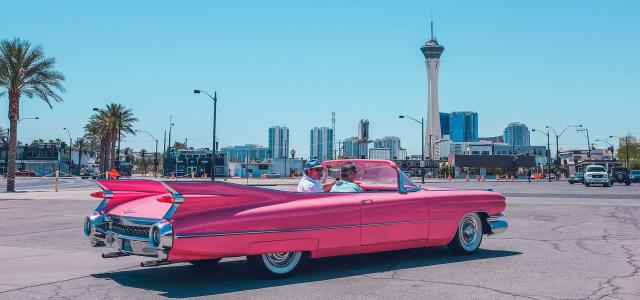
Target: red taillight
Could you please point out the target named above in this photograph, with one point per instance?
(99, 194)
(165, 199)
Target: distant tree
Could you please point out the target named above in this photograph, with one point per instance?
(129, 155)
(25, 70)
(180, 146)
(634, 155)
(81, 146)
(104, 129)
(143, 161)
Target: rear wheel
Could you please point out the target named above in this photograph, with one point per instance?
(468, 236)
(278, 264)
(587, 184)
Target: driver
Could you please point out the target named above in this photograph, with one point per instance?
(346, 184)
(312, 181)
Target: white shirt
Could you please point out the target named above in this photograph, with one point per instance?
(309, 185)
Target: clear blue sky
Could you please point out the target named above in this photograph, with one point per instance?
(292, 63)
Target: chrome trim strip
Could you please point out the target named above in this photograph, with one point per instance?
(180, 236)
(127, 237)
(135, 221)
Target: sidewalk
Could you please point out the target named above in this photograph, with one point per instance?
(46, 195)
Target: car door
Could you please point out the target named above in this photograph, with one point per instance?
(391, 216)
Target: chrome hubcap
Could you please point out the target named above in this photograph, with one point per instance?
(469, 232)
(280, 259)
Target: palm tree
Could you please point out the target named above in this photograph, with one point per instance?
(105, 129)
(25, 70)
(4, 138)
(81, 146)
(143, 160)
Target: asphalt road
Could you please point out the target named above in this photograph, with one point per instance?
(564, 242)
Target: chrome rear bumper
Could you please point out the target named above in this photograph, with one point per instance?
(497, 225)
(132, 236)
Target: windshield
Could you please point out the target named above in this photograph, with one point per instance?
(371, 175)
(409, 185)
(596, 169)
(579, 174)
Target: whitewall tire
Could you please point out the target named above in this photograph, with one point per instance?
(279, 264)
(468, 235)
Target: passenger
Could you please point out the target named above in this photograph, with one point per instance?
(346, 184)
(312, 181)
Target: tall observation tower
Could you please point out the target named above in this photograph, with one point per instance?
(432, 52)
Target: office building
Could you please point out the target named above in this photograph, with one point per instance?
(517, 134)
(321, 143)
(463, 126)
(389, 142)
(279, 141)
(444, 124)
(350, 147)
(243, 152)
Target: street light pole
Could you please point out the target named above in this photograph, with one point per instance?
(70, 145)
(588, 141)
(155, 159)
(421, 122)
(215, 104)
(548, 152)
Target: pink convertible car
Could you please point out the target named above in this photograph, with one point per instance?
(202, 222)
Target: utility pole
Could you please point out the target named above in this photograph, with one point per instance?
(333, 130)
(170, 127)
(586, 130)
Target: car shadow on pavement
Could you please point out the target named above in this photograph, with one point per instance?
(185, 280)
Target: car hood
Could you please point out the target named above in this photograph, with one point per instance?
(597, 173)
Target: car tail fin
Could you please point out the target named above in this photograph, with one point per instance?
(116, 192)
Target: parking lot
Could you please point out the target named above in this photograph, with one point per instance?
(564, 242)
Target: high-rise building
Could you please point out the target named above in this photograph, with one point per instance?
(517, 134)
(250, 151)
(363, 139)
(350, 147)
(463, 126)
(432, 52)
(389, 142)
(321, 143)
(444, 123)
(279, 141)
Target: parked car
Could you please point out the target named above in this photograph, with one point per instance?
(619, 175)
(578, 177)
(202, 222)
(634, 175)
(272, 175)
(596, 174)
(26, 173)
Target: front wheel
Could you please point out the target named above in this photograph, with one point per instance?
(468, 236)
(280, 264)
